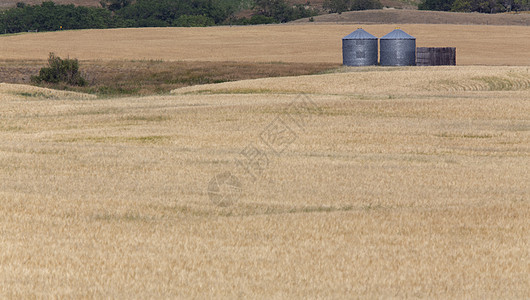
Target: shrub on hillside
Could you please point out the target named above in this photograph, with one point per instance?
(339, 6)
(60, 71)
(281, 11)
(482, 6)
(193, 21)
(254, 20)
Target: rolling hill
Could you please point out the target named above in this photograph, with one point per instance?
(378, 182)
(398, 16)
(392, 183)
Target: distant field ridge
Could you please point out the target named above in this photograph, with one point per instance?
(398, 16)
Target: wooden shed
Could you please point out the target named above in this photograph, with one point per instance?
(435, 56)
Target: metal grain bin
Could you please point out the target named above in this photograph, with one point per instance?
(398, 49)
(359, 48)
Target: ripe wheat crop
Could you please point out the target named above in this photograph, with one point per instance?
(386, 182)
(476, 44)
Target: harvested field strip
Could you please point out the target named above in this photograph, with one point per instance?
(506, 82)
(26, 91)
(392, 82)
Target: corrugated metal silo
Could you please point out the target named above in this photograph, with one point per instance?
(359, 48)
(398, 49)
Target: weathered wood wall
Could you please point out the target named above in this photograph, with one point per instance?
(435, 56)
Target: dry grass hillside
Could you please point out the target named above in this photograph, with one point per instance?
(476, 45)
(20, 90)
(387, 81)
(148, 77)
(378, 183)
(400, 16)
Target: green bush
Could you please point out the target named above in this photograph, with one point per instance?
(261, 19)
(193, 21)
(60, 71)
(339, 6)
(482, 6)
(281, 11)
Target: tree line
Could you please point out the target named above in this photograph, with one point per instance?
(50, 16)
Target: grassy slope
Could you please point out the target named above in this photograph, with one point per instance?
(146, 77)
(392, 16)
(384, 80)
(403, 182)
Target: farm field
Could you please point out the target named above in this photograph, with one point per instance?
(148, 77)
(302, 43)
(375, 182)
(411, 189)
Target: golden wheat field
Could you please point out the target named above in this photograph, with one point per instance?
(371, 182)
(476, 44)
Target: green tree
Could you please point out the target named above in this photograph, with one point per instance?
(365, 4)
(339, 6)
(193, 21)
(461, 6)
(441, 5)
(60, 70)
(521, 5)
(336, 6)
(280, 11)
(114, 5)
(166, 12)
(49, 16)
(271, 8)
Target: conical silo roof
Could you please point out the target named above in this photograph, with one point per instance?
(359, 34)
(398, 34)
